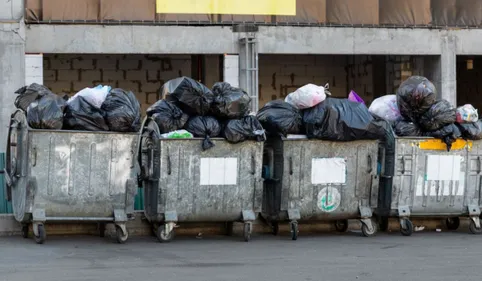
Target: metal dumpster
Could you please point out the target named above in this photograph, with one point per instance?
(314, 180)
(430, 181)
(70, 176)
(183, 183)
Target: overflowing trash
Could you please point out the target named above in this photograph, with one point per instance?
(167, 115)
(122, 111)
(29, 94)
(46, 112)
(280, 117)
(415, 96)
(307, 96)
(471, 131)
(246, 128)
(179, 134)
(82, 115)
(386, 108)
(440, 114)
(407, 129)
(353, 96)
(230, 102)
(188, 94)
(467, 114)
(95, 96)
(206, 127)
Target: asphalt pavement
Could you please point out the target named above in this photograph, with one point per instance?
(424, 256)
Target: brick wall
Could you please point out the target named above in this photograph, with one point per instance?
(142, 74)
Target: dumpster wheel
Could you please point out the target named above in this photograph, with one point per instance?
(247, 231)
(120, 235)
(473, 228)
(341, 225)
(42, 235)
(452, 223)
(294, 230)
(366, 231)
(408, 229)
(162, 236)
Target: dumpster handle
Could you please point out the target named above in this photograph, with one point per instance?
(370, 168)
(253, 165)
(168, 165)
(34, 156)
(291, 165)
(403, 165)
(479, 166)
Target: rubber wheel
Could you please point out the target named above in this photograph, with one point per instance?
(229, 229)
(25, 231)
(367, 232)
(341, 225)
(102, 230)
(294, 231)
(452, 223)
(162, 236)
(42, 235)
(408, 231)
(275, 228)
(121, 238)
(473, 229)
(247, 232)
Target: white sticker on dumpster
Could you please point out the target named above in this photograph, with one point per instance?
(328, 171)
(219, 171)
(329, 199)
(443, 167)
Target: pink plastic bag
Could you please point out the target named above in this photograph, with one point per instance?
(354, 97)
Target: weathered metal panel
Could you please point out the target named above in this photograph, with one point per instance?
(430, 181)
(5, 206)
(215, 185)
(324, 180)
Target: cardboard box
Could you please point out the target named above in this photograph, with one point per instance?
(71, 9)
(128, 10)
(405, 12)
(307, 12)
(352, 12)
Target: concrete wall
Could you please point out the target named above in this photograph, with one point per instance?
(12, 60)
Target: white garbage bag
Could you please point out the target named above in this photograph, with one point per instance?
(307, 96)
(386, 107)
(96, 96)
(467, 114)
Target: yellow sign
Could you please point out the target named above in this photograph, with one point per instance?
(230, 7)
(437, 144)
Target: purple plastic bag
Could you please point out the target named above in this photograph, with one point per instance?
(354, 97)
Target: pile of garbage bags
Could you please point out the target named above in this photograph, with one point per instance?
(415, 111)
(92, 109)
(189, 108)
(312, 112)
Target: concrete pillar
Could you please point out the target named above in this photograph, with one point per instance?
(12, 60)
(231, 70)
(448, 64)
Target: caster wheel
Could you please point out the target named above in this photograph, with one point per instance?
(452, 223)
(42, 235)
(341, 225)
(102, 230)
(294, 230)
(120, 236)
(247, 232)
(164, 237)
(473, 228)
(275, 228)
(408, 230)
(369, 232)
(25, 231)
(229, 229)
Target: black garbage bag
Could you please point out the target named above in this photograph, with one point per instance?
(206, 127)
(415, 96)
(246, 128)
(230, 102)
(471, 131)
(439, 115)
(191, 96)
(81, 115)
(122, 111)
(407, 129)
(342, 120)
(29, 94)
(47, 113)
(448, 134)
(279, 117)
(167, 115)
